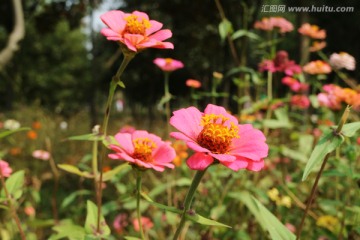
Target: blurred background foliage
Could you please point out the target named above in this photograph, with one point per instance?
(66, 66)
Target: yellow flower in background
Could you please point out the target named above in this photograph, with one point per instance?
(285, 201)
(329, 222)
(273, 194)
(181, 152)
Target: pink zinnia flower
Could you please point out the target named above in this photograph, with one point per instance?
(146, 223)
(269, 24)
(127, 129)
(41, 154)
(312, 31)
(317, 67)
(216, 135)
(294, 84)
(5, 169)
(135, 30)
(342, 60)
(168, 64)
(144, 150)
(280, 63)
(300, 101)
(193, 83)
(120, 222)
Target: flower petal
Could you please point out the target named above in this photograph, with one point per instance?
(141, 15)
(164, 154)
(199, 161)
(217, 110)
(114, 20)
(125, 142)
(255, 166)
(239, 163)
(196, 147)
(121, 156)
(180, 136)
(109, 33)
(251, 143)
(223, 157)
(154, 26)
(161, 35)
(187, 121)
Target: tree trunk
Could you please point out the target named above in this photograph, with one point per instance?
(15, 37)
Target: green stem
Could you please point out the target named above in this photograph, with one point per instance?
(138, 195)
(12, 207)
(167, 104)
(113, 84)
(269, 86)
(188, 200)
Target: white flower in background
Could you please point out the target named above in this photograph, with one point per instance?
(342, 60)
(11, 124)
(63, 125)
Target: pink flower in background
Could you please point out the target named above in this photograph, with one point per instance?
(291, 227)
(168, 64)
(30, 211)
(269, 24)
(127, 129)
(41, 154)
(294, 84)
(331, 97)
(280, 63)
(317, 67)
(193, 83)
(135, 30)
(144, 150)
(317, 46)
(120, 222)
(5, 169)
(146, 224)
(216, 136)
(342, 60)
(300, 101)
(312, 31)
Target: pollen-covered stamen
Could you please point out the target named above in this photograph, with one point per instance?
(136, 25)
(143, 148)
(217, 135)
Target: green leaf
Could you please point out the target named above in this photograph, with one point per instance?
(75, 170)
(193, 217)
(244, 33)
(121, 84)
(69, 199)
(297, 155)
(87, 137)
(225, 28)
(109, 140)
(110, 174)
(328, 143)
(266, 219)
(305, 143)
(131, 238)
(68, 230)
(14, 184)
(9, 132)
(91, 221)
(350, 129)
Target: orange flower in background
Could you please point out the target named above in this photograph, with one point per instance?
(312, 31)
(32, 135)
(247, 118)
(106, 168)
(193, 83)
(317, 67)
(145, 222)
(36, 125)
(30, 211)
(15, 151)
(349, 96)
(181, 152)
(317, 46)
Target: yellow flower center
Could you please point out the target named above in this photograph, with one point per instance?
(143, 148)
(216, 136)
(168, 61)
(136, 25)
